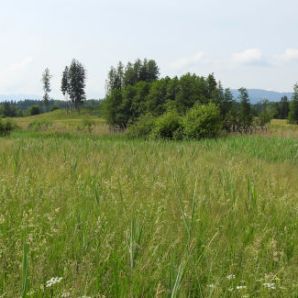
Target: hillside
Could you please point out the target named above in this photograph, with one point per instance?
(261, 94)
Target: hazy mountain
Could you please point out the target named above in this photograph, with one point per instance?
(256, 95)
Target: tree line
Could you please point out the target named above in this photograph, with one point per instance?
(136, 89)
(136, 93)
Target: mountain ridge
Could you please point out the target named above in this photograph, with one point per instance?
(255, 95)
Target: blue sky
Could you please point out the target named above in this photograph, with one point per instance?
(245, 43)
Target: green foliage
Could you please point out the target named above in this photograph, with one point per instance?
(192, 89)
(139, 71)
(8, 109)
(132, 92)
(202, 121)
(293, 114)
(6, 127)
(245, 114)
(266, 114)
(283, 108)
(34, 110)
(116, 110)
(142, 128)
(54, 108)
(168, 126)
(65, 81)
(76, 84)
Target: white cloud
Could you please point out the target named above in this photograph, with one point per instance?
(249, 57)
(190, 61)
(289, 55)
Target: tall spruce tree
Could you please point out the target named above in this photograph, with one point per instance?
(293, 113)
(245, 115)
(283, 108)
(77, 76)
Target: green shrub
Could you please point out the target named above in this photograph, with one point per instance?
(142, 128)
(40, 125)
(6, 127)
(86, 125)
(202, 121)
(54, 108)
(34, 110)
(168, 126)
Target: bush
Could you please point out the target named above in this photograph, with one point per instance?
(86, 125)
(202, 121)
(142, 128)
(40, 125)
(6, 127)
(168, 126)
(54, 108)
(34, 110)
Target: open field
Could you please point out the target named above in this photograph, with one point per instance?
(60, 121)
(121, 218)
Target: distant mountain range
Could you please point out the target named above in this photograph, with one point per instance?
(255, 95)
(18, 97)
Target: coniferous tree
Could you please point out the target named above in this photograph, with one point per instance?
(77, 76)
(245, 114)
(293, 113)
(284, 108)
(227, 102)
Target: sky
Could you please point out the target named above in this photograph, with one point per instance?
(244, 43)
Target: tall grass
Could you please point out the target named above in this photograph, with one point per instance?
(120, 218)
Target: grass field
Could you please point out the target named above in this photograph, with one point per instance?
(112, 217)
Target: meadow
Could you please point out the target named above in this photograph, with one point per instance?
(84, 213)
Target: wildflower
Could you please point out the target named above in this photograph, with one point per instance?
(53, 281)
(269, 285)
(241, 287)
(212, 286)
(231, 276)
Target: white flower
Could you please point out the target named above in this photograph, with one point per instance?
(269, 285)
(53, 281)
(211, 286)
(241, 287)
(231, 276)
